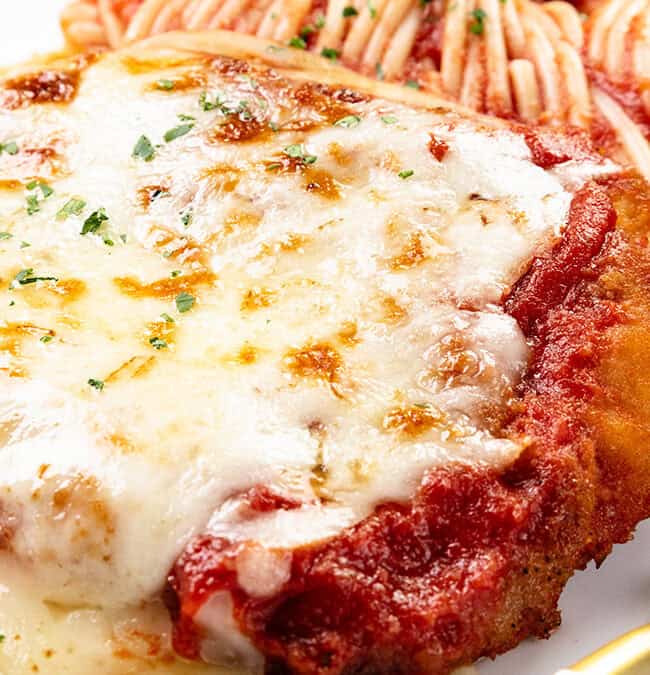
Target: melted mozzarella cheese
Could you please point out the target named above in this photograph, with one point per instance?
(345, 336)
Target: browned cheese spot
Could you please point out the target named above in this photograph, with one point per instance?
(239, 128)
(393, 312)
(412, 255)
(257, 298)
(413, 420)
(164, 330)
(188, 81)
(141, 65)
(348, 334)
(319, 361)
(136, 366)
(47, 86)
(221, 177)
(165, 289)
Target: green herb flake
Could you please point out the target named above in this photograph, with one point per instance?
(297, 151)
(5, 235)
(379, 71)
(144, 149)
(297, 43)
(108, 241)
(10, 148)
(184, 302)
(406, 174)
(2, 637)
(412, 84)
(274, 166)
(24, 244)
(372, 9)
(348, 122)
(329, 53)
(274, 127)
(167, 318)
(175, 273)
(350, 11)
(306, 31)
(187, 217)
(73, 207)
(26, 276)
(94, 222)
(123, 238)
(157, 343)
(33, 205)
(320, 21)
(389, 119)
(178, 131)
(165, 85)
(477, 26)
(96, 384)
(46, 338)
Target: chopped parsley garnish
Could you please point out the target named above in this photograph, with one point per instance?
(372, 9)
(329, 53)
(348, 122)
(33, 205)
(167, 318)
(389, 119)
(184, 302)
(186, 118)
(24, 244)
(412, 84)
(297, 43)
(306, 31)
(350, 11)
(175, 273)
(186, 217)
(123, 238)
(166, 85)
(320, 21)
(46, 338)
(73, 207)
(10, 148)
(96, 384)
(178, 131)
(478, 21)
(26, 276)
(379, 71)
(2, 637)
(273, 126)
(5, 235)
(157, 343)
(94, 222)
(207, 105)
(45, 189)
(144, 149)
(406, 173)
(297, 151)
(274, 166)
(108, 241)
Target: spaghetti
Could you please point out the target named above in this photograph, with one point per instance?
(540, 63)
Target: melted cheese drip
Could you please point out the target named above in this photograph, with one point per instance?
(342, 340)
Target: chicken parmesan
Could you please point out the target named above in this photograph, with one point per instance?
(303, 372)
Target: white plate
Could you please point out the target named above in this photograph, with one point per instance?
(596, 607)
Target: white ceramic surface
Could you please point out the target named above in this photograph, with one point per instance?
(596, 607)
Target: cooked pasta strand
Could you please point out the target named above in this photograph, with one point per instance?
(453, 47)
(360, 32)
(525, 90)
(576, 85)
(498, 99)
(629, 134)
(112, 24)
(616, 39)
(568, 21)
(384, 28)
(401, 44)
